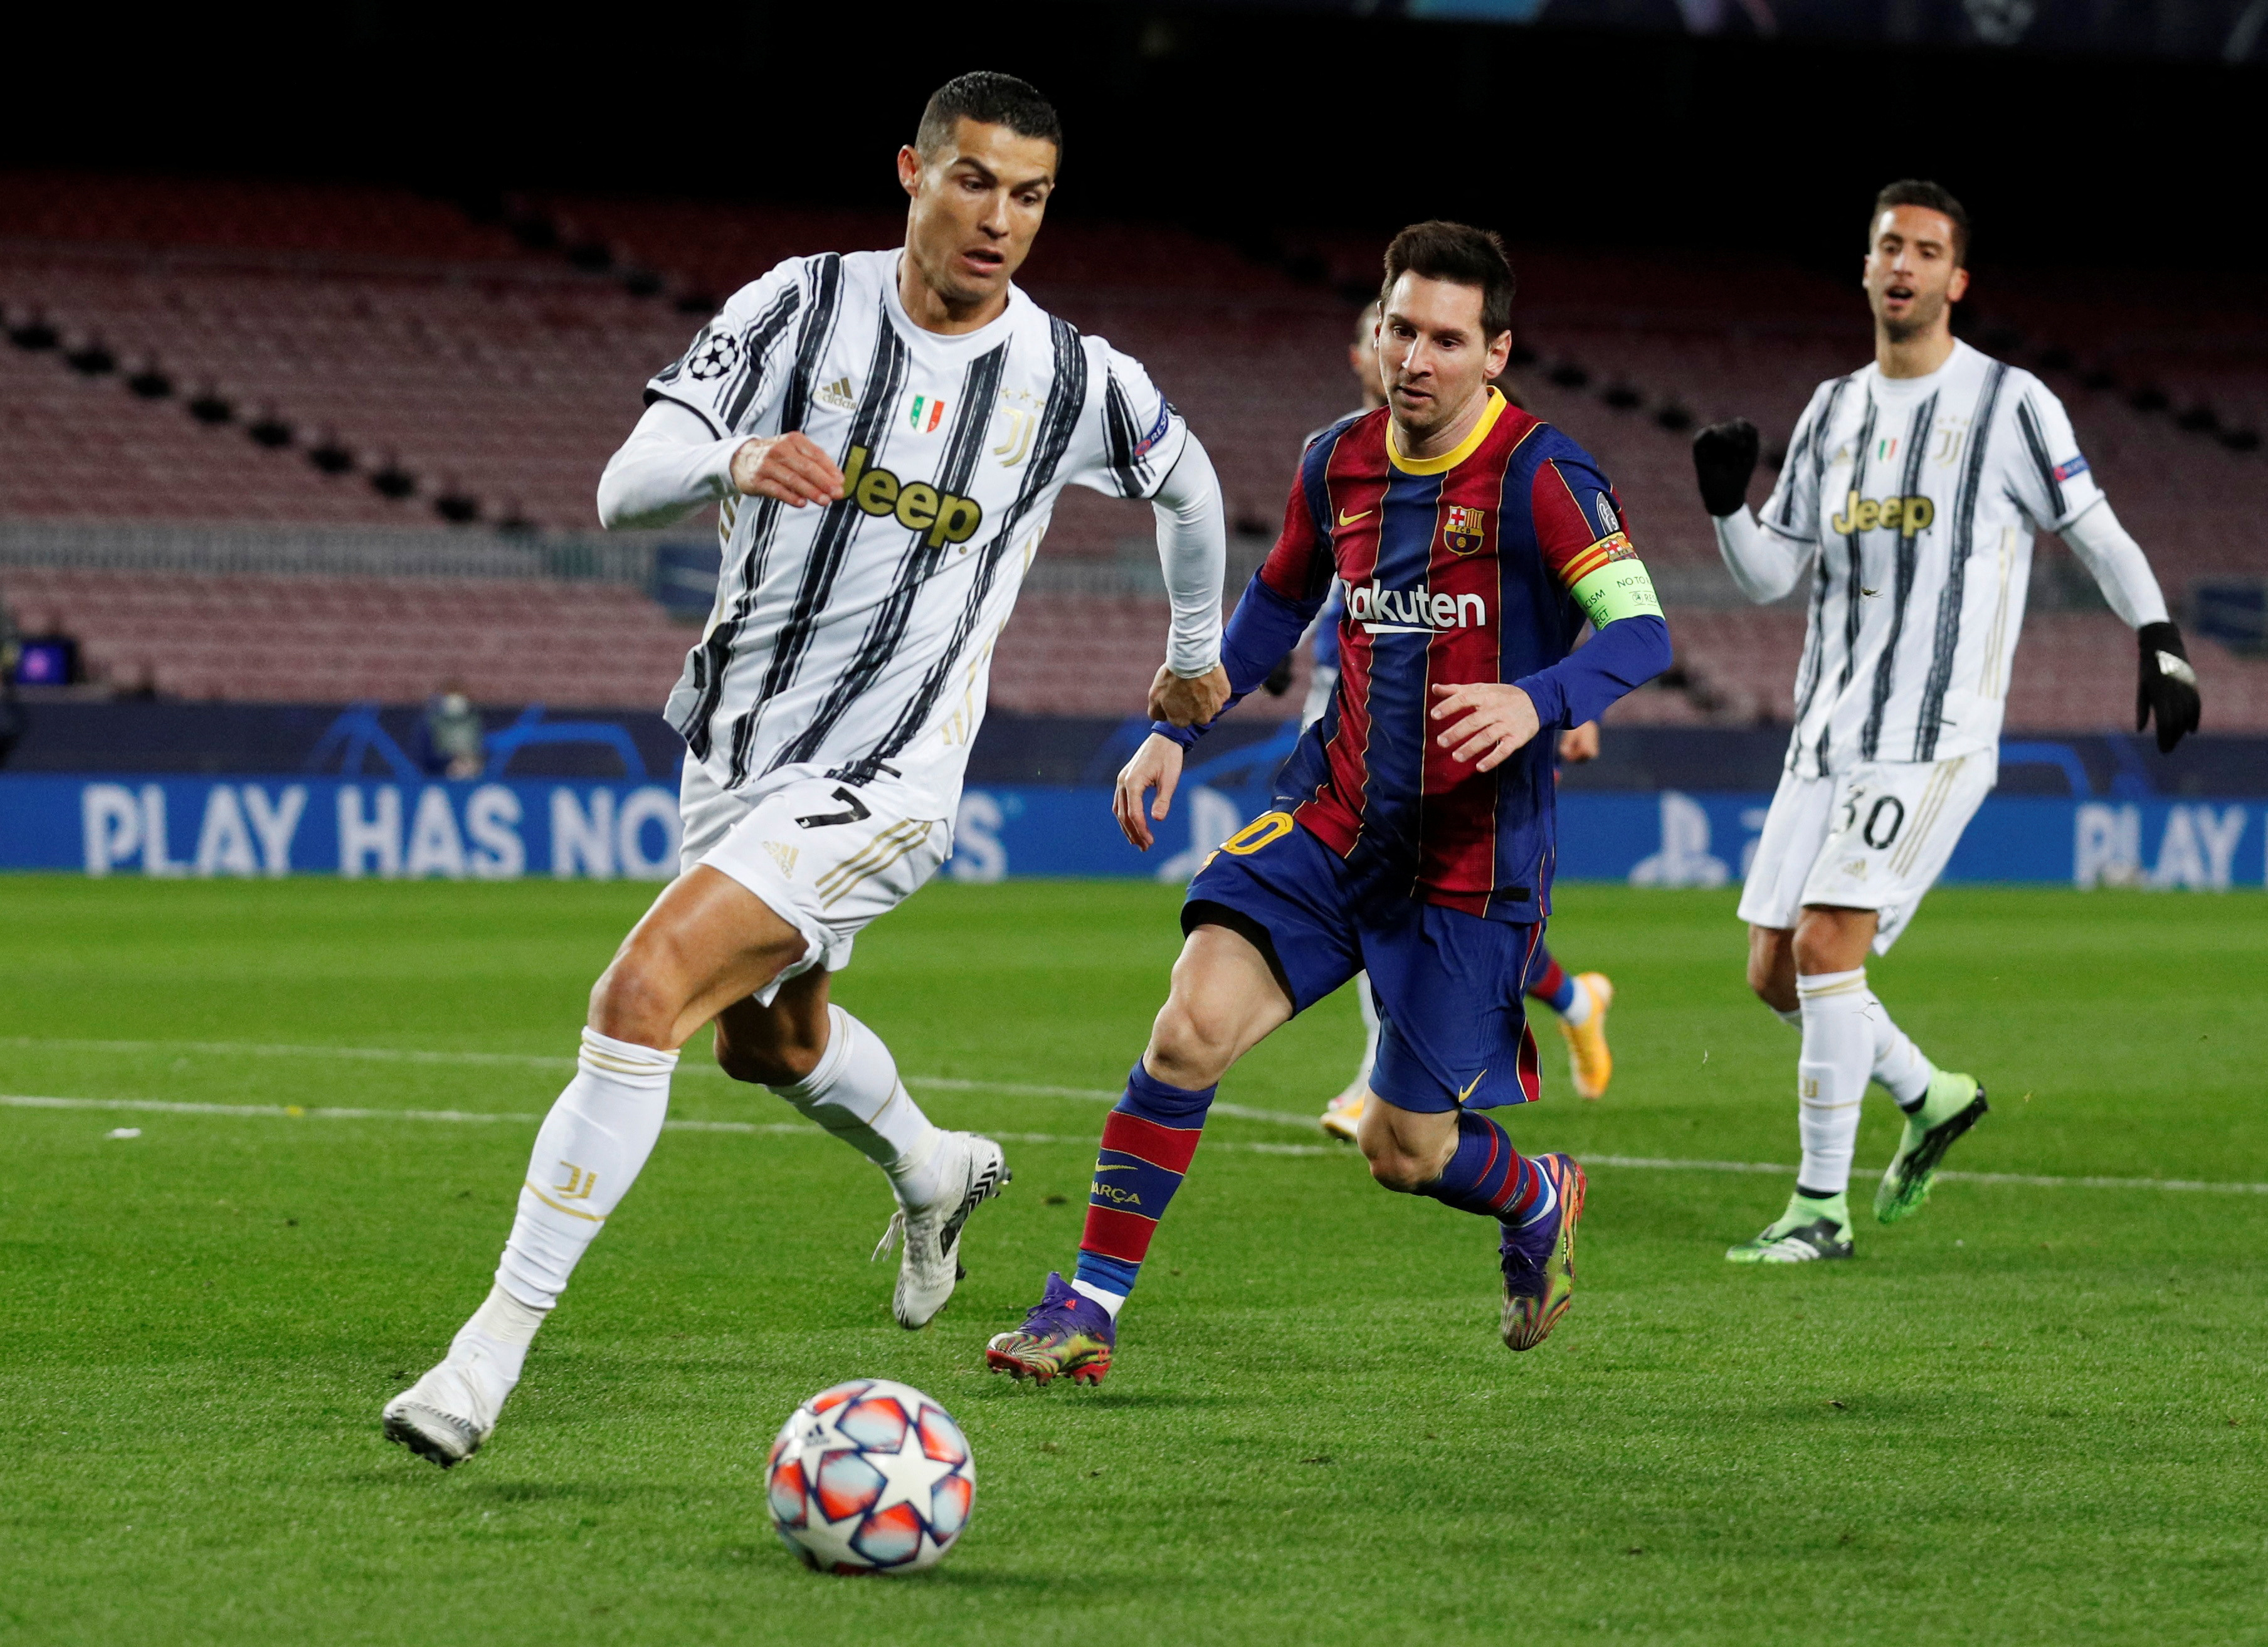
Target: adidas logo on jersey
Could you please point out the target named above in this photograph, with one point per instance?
(947, 517)
(1903, 515)
(1384, 611)
(837, 395)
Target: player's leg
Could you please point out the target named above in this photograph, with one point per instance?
(1581, 1002)
(1343, 1113)
(705, 942)
(838, 1072)
(1226, 998)
(1455, 1046)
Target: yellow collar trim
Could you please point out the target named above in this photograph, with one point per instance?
(1449, 459)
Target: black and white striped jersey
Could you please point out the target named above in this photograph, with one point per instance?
(1921, 496)
(853, 640)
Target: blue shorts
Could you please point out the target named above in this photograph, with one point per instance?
(1452, 1026)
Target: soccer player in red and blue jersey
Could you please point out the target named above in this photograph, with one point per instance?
(1413, 835)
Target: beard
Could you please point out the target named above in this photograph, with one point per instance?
(1924, 317)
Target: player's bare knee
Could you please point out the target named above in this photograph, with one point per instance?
(1189, 1047)
(634, 1000)
(1393, 1169)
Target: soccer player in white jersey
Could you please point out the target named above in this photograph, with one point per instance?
(1910, 493)
(887, 431)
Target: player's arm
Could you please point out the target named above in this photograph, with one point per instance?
(2056, 488)
(1577, 526)
(694, 446)
(1277, 605)
(1765, 557)
(1193, 552)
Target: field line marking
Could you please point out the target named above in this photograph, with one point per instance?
(336, 1113)
(539, 1060)
(1662, 1164)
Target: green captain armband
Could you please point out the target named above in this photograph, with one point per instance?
(1618, 589)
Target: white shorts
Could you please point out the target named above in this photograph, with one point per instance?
(1876, 837)
(825, 858)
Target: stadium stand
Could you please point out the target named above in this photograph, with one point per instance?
(239, 352)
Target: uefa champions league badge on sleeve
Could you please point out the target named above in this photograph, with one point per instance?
(870, 1477)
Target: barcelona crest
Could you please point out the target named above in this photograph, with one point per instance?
(1461, 527)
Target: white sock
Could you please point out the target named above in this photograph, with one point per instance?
(1831, 1072)
(588, 1153)
(503, 1327)
(1898, 1063)
(1113, 1302)
(1368, 1003)
(1581, 1008)
(855, 1093)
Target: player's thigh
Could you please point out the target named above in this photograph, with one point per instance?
(1895, 826)
(1226, 999)
(828, 859)
(706, 941)
(779, 1042)
(1794, 828)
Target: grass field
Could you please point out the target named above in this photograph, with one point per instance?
(2034, 1413)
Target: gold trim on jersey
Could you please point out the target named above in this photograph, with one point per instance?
(1463, 449)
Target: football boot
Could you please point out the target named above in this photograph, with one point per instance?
(1346, 1111)
(1952, 1104)
(1539, 1265)
(1807, 1230)
(448, 1415)
(1590, 1066)
(970, 1171)
(1067, 1331)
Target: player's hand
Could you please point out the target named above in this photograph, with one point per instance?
(1487, 723)
(1157, 765)
(1190, 701)
(1578, 744)
(1724, 459)
(789, 467)
(2168, 686)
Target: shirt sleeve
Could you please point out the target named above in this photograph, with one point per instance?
(735, 373)
(1579, 527)
(1792, 509)
(2049, 476)
(1142, 435)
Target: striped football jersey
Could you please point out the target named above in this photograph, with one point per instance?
(1921, 496)
(854, 640)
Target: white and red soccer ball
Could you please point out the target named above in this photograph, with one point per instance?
(870, 1476)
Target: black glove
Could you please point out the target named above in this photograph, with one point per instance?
(2168, 686)
(1280, 678)
(1724, 458)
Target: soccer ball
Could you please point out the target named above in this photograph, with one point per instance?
(870, 1476)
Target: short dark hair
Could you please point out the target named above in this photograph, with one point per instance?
(1915, 191)
(1458, 252)
(992, 100)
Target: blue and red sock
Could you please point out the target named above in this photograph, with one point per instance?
(1487, 1176)
(1553, 987)
(1147, 1142)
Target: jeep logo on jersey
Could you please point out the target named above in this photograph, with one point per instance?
(1903, 515)
(947, 517)
(1419, 611)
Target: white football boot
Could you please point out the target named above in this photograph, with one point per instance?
(447, 1414)
(971, 1170)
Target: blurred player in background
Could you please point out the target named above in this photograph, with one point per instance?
(1911, 492)
(1414, 834)
(888, 433)
(1580, 1001)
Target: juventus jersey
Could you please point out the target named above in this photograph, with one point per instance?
(850, 641)
(1921, 496)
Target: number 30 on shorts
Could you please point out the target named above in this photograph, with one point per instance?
(1268, 827)
(1884, 819)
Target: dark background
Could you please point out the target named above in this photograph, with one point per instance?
(1239, 121)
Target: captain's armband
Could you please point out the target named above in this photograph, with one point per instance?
(1609, 581)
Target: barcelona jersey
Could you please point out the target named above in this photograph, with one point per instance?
(1483, 564)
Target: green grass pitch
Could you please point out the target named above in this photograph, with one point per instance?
(2033, 1413)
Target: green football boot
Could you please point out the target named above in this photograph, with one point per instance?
(1952, 1104)
(1806, 1231)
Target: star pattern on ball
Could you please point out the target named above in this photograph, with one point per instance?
(909, 1475)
